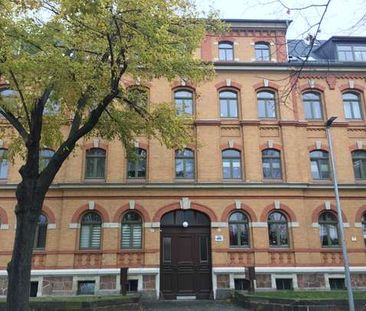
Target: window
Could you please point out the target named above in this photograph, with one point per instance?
(266, 105)
(184, 164)
(364, 227)
(183, 102)
(284, 284)
(131, 231)
(328, 230)
(4, 164)
(239, 230)
(132, 285)
(90, 233)
(136, 167)
(86, 287)
(278, 230)
(95, 163)
(231, 164)
(351, 53)
(312, 106)
(319, 164)
(262, 52)
(45, 156)
(337, 284)
(352, 106)
(228, 104)
(271, 164)
(138, 96)
(33, 289)
(41, 233)
(359, 163)
(226, 51)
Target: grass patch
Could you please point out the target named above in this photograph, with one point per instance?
(309, 295)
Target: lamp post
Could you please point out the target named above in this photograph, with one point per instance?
(351, 303)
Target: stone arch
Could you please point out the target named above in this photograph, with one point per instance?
(316, 212)
(125, 208)
(85, 208)
(49, 214)
(3, 217)
(244, 208)
(291, 217)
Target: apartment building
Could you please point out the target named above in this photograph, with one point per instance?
(254, 191)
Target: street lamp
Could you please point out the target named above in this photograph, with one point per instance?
(351, 303)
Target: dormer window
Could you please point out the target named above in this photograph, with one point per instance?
(351, 52)
(226, 51)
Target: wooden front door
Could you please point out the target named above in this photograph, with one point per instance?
(185, 260)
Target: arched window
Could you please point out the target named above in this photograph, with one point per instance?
(131, 231)
(319, 164)
(262, 52)
(278, 230)
(312, 106)
(359, 163)
(231, 164)
(364, 227)
(228, 104)
(95, 163)
(45, 156)
(183, 102)
(271, 164)
(136, 167)
(90, 232)
(266, 105)
(184, 163)
(239, 230)
(328, 230)
(226, 51)
(41, 233)
(352, 106)
(4, 164)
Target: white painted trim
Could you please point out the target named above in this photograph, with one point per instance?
(258, 224)
(214, 284)
(4, 227)
(346, 225)
(111, 225)
(233, 276)
(228, 270)
(315, 225)
(219, 225)
(152, 224)
(51, 226)
(328, 276)
(358, 225)
(74, 226)
(40, 284)
(293, 224)
(77, 278)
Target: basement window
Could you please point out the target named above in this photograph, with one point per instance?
(33, 289)
(86, 288)
(241, 284)
(336, 283)
(132, 285)
(284, 284)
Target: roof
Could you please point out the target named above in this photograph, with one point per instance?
(281, 24)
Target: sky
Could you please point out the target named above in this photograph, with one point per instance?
(340, 18)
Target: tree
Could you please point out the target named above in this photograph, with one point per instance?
(62, 62)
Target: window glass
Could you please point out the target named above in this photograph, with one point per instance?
(266, 105)
(183, 102)
(203, 248)
(167, 249)
(262, 52)
(226, 51)
(271, 162)
(184, 163)
(45, 156)
(239, 230)
(228, 104)
(95, 163)
(319, 164)
(352, 106)
(231, 164)
(131, 231)
(359, 164)
(138, 95)
(90, 231)
(278, 230)
(4, 164)
(312, 106)
(86, 287)
(41, 233)
(352, 53)
(364, 228)
(328, 230)
(136, 166)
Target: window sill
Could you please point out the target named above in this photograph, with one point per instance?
(94, 180)
(233, 180)
(272, 181)
(185, 180)
(280, 249)
(334, 249)
(130, 250)
(4, 181)
(136, 180)
(243, 249)
(88, 251)
(321, 181)
(39, 251)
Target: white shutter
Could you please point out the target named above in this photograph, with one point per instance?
(126, 236)
(95, 239)
(136, 236)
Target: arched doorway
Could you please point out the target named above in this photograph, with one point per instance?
(185, 255)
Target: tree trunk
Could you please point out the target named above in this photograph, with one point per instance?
(28, 209)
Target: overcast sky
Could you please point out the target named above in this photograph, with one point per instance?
(340, 19)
